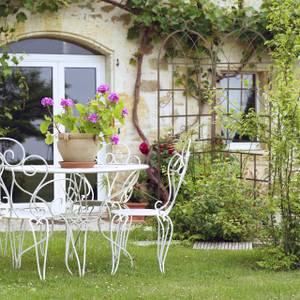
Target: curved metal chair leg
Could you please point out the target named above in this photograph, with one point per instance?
(164, 238)
(69, 252)
(12, 240)
(5, 247)
(126, 230)
(126, 233)
(20, 245)
(42, 273)
(119, 240)
(16, 244)
(84, 249)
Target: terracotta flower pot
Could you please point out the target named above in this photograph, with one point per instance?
(138, 205)
(78, 147)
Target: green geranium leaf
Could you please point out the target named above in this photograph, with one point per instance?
(44, 126)
(49, 138)
(81, 108)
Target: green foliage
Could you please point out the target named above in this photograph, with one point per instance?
(202, 16)
(276, 259)
(49, 138)
(97, 117)
(284, 140)
(282, 96)
(214, 204)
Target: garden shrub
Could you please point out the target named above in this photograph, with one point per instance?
(215, 205)
(275, 259)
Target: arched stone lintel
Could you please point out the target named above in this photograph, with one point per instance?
(81, 41)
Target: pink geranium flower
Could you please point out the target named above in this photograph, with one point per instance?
(113, 97)
(115, 139)
(124, 112)
(93, 118)
(103, 88)
(66, 102)
(46, 101)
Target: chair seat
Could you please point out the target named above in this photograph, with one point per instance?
(27, 214)
(143, 212)
(21, 205)
(22, 210)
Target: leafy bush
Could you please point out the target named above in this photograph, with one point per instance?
(216, 205)
(276, 259)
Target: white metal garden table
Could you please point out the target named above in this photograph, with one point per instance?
(80, 172)
(97, 169)
(73, 212)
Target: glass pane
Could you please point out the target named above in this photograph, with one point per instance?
(235, 81)
(22, 118)
(240, 97)
(80, 85)
(248, 81)
(48, 46)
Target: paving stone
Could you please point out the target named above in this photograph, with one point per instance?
(223, 246)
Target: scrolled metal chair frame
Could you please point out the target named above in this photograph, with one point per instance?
(122, 218)
(39, 213)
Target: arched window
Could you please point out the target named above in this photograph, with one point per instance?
(48, 46)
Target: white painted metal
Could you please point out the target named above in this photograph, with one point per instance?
(177, 168)
(73, 210)
(119, 188)
(54, 169)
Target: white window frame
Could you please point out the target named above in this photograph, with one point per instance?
(246, 146)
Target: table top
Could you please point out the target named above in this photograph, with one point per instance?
(56, 169)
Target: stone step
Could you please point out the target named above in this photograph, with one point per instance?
(223, 246)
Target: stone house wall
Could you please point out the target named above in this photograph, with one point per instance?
(104, 28)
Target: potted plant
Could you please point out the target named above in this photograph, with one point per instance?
(86, 130)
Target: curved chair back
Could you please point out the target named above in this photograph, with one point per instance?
(38, 203)
(176, 171)
(13, 161)
(119, 185)
(12, 154)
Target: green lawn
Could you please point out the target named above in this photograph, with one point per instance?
(190, 274)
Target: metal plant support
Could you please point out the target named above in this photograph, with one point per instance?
(197, 79)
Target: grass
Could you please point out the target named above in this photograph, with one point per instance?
(190, 274)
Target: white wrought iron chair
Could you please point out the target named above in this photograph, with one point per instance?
(118, 185)
(38, 213)
(122, 218)
(118, 189)
(32, 214)
(72, 212)
(8, 158)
